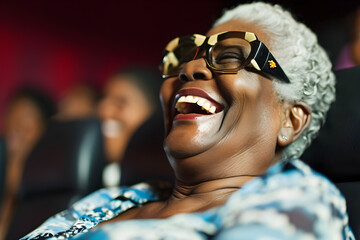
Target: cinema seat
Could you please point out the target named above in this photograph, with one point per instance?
(336, 152)
(64, 166)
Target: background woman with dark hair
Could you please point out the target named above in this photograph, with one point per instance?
(25, 122)
(132, 127)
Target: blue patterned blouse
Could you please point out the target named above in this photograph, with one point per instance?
(289, 202)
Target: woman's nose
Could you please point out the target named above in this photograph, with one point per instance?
(195, 70)
(106, 109)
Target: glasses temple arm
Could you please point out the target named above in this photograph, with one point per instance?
(268, 64)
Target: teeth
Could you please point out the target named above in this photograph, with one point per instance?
(206, 106)
(189, 99)
(181, 99)
(202, 102)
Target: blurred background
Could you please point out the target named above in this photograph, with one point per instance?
(65, 55)
(54, 45)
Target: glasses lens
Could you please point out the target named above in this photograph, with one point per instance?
(230, 54)
(174, 60)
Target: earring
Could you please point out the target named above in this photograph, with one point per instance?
(284, 138)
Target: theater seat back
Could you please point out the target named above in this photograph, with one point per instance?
(64, 166)
(336, 152)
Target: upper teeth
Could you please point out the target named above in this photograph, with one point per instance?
(202, 102)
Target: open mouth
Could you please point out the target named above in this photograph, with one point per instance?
(196, 101)
(194, 104)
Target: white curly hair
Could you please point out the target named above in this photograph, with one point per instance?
(304, 61)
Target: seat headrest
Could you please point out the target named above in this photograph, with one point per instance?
(69, 157)
(336, 151)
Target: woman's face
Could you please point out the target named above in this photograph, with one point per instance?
(246, 122)
(24, 126)
(124, 107)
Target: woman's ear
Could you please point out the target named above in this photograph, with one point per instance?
(297, 119)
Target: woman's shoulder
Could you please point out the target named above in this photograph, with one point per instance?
(291, 173)
(292, 179)
(289, 196)
(99, 206)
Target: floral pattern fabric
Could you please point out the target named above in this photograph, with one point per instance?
(290, 201)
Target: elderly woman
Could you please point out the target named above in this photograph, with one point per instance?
(236, 122)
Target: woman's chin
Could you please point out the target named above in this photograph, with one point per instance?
(185, 146)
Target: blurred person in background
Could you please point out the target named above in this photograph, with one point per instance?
(130, 100)
(25, 122)
(350, 54)
(78, 102)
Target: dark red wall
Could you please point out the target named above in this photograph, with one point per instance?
(55, 44)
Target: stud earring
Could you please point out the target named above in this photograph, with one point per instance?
(284, 138)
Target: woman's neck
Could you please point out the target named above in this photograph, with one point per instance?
(115, 147)
(207, 186)
(183, 190)
(204, 195)
(190, 197)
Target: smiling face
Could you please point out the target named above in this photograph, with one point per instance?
(236, 132)
(24, 126)
(125, 104)
(122, 111)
